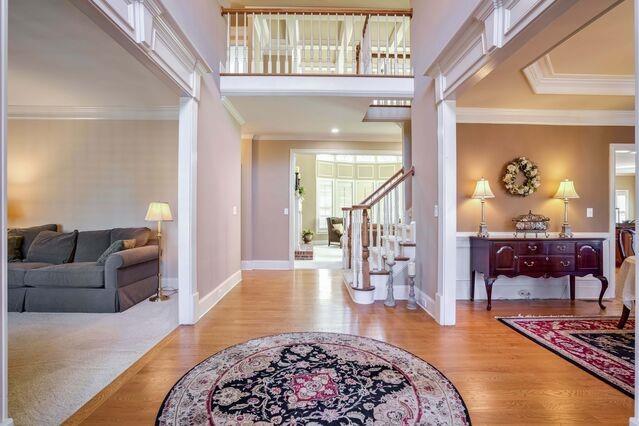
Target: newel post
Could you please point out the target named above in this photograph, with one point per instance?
(366, 271)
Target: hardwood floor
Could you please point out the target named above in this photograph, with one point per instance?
(503, 377)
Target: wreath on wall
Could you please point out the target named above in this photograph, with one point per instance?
(531, 182)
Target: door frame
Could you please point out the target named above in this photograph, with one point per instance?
(612, 222)
(292, 212)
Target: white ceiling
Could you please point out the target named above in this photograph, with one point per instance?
(59, 57)
(311, 117)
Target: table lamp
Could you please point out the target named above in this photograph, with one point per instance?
(483, 191)
(565, 192)
(159, 212)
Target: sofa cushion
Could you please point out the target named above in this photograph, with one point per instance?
(29, 235)
(75, 275)
(91, 244)
(52, 247)
(14, 246)
(140, 235)
(117, 246)
(17, 270)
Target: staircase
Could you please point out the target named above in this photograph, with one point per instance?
(379, 231)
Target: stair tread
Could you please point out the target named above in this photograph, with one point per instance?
(408, 244)
(379, 272)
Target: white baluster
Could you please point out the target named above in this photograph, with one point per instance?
(379, 237)
(270, 43)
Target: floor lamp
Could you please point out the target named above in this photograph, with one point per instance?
(159, 212)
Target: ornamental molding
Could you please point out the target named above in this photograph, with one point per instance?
(492, 25)
(553, 117)
(147, 26)
(544, 80)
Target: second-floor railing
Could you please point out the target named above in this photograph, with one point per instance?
(318, 41)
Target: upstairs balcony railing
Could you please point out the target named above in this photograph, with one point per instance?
(318, 41)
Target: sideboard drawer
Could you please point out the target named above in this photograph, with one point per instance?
(561, 248)
(532, 264)
(561, 263)
(531, 248)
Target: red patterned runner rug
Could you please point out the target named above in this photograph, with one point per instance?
(594, 344)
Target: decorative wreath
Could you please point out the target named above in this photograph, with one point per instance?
(532, 181)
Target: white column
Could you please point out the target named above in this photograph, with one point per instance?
(4, 379)
(635, 420)
(447, 212)
(188, 297)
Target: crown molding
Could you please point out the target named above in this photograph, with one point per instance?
(323, 137)
(545, 81)
(39, 112)
(553, 117)
(233, 111)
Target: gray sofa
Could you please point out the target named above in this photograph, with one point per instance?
(126, 278)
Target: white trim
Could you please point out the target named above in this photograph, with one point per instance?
(387, 114)
(635, 420)
(4, 334)
(187, 211)
(325, 137)
(612, 235)
(447, 212)
(207, 302)
(59, 112)
(426, 302)
(170, 283)
(233, 111)
(329, 85)
(248, 265)
(556, 117)
(545, 81)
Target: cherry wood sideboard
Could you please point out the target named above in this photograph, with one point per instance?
(538, 257)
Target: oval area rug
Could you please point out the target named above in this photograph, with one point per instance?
(313, 379)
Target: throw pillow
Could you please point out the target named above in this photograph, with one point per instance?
(14, 245)
(115, 247)
(129, 244)
(338, 228)
(53, 247)
(29, 235)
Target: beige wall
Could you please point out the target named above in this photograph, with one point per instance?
(561, 152)
(92, 174)
(270, 191)
(218, 191)
(628, 183)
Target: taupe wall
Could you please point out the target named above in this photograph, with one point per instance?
(93, 174)
(627, 182)
(579, 153)
(270, 191)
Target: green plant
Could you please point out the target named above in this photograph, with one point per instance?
(300, 191)
(307, 232)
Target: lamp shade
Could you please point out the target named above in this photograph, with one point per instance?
(566, 190)
(482, 190)
(159, 212)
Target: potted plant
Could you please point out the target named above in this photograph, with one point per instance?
(307, 235)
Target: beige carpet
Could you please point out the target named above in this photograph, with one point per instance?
(57, 362)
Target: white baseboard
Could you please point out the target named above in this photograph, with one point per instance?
(248, 265)
(426, 302)
(207, 302)
(634, 421)
(6, 422)
(537, 288)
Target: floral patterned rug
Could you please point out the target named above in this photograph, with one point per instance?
(593, 343)
(313, 379)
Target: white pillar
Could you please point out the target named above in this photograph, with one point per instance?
(635, 420)
(4, 378)
(447, 212)
(188, 297)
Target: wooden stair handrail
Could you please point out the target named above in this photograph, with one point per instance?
(318, 11)
(381, 187)
(378, 198)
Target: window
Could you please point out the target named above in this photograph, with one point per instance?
(343, 196)
(326, 157)
(345, 158)
(324, 203)
(388, 159)
(365, 159)
(621, 204)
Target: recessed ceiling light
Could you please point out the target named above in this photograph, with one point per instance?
(334, 130)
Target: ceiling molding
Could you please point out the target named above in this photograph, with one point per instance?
(233, 111)
(38, 112)
(492, 25)
(546, 117)
(545, 81)
(323, 137)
